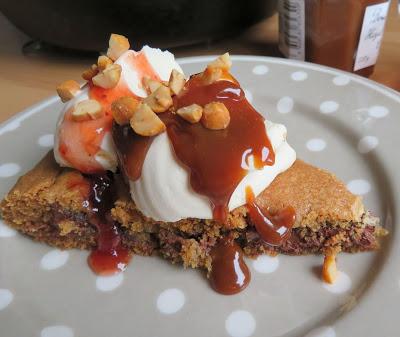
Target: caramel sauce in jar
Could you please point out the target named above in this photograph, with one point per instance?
(333, 29)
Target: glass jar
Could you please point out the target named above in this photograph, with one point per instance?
(343, 34)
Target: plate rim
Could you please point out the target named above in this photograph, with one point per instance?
(389, 92)
(381, 89)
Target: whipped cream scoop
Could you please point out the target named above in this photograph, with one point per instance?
(163, 191)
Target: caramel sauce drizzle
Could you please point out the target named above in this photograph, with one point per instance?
(229, 274)
(273, 228)
(216, 160)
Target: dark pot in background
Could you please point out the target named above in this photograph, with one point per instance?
(87, 24)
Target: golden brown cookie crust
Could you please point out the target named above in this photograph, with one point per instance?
(44, 206)
(316, 195)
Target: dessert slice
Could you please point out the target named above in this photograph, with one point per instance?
(147, 162)
(49, 204)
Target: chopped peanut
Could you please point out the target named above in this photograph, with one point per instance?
(145, 122)
(222, 62)
(211, 75)
(329, 269)
(108, 78)
(123, 109)
(150, 85)
(106, 157)
(118, 45)
(88, 74)
(67, 90)
(176, 81)
(191, 113)
(160, 100)
(103, 62)
(88, 109)
(217, 69)
(215, 116)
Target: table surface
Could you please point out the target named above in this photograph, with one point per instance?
(26, 78)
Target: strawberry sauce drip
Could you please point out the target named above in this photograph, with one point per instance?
(273, 228)
(79, 142)
(109, 257)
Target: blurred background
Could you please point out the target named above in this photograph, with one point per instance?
(51, 41)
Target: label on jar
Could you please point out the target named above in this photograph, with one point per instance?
(371, 35)
(292, 28)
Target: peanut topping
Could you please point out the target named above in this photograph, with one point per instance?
(211, 75)
(215, 116)
(215, 70)
(108, 78)
(88, 109)
(150, 85)
(88, 74)
(191, 113)
(329, 269)
(222, 62)
(118, 45)
(67, 90)
(160, 100)
(145, 122)
(103, 62)
(176, 81)
(123, 109)
(106, 157)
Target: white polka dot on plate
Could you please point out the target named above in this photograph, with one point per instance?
(328, 107)
(240, 323)
(299, 76)
(260, 69)
(57, 331)
(341, 284)
(6, 231)
(249, 95)
(54, 259)
(359, 186)
(324, 331)
(316, 144)
(170, 301)
(109, 283)
(6, 297)
(367, 144)
(341, 80)
(265, 264)
(9, 170)
(46, 140)
(378, 111)
(285, 105)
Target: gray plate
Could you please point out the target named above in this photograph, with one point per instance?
(337, 121)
